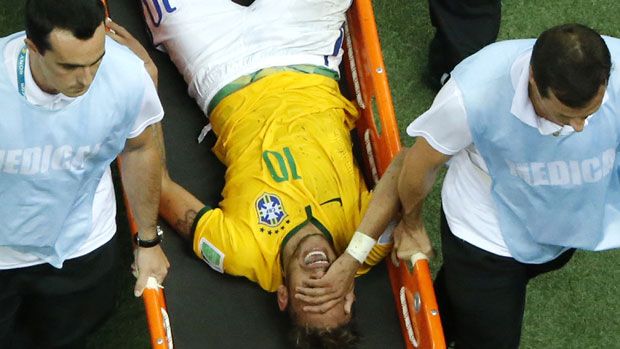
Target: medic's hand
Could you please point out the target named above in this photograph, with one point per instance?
(149, 261)
(337, 284)
(411, 240)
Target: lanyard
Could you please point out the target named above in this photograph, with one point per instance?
(21, 66)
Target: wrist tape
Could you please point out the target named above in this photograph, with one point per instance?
(360, 246)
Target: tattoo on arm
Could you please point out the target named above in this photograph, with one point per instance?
(184, 225)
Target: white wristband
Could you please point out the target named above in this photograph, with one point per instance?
(360, 246)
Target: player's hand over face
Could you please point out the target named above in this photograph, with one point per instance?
(411, 240)
(328, 291)
(149, 262)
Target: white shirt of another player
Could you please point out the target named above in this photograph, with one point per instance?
(214, 42)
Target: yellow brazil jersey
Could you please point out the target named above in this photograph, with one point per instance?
(285, 140)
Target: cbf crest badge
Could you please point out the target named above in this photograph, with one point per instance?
(270, 210)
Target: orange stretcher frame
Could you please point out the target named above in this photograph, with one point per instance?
(412, 284)
(378, 132)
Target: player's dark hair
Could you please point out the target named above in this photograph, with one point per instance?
(345, 336)
(80, 17)
(341, 337)
(571, 60)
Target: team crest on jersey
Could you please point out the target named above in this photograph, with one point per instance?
(270, 210)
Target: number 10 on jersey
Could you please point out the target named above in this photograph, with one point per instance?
(285, 164)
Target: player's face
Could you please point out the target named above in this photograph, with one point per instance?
(555, 111)
(311, 259)
(69, 67)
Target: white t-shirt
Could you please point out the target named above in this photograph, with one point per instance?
(214, 42)
(466, 191)
(104, 203)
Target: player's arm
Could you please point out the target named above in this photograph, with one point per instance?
(178, 206)
(410, 182)
(384, 206)
(409, 179)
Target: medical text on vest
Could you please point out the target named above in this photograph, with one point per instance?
(40, 160)
(565, 172)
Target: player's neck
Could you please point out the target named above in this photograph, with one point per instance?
(293, 239)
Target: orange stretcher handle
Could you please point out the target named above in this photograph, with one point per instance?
(157, 315)
(412, 284)
(416, 304)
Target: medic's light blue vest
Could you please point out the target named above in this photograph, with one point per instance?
(52, 161)
(551, 193)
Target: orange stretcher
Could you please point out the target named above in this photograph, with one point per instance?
(412, 285)
(378, 132)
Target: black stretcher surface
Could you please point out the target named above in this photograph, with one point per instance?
(207, 309)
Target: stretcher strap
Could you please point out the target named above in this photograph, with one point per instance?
(356, 80)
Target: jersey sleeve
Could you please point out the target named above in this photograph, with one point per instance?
(210, 243)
